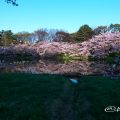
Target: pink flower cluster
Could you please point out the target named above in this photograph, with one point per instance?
(98, 46)
(102, 45)
(11, 52)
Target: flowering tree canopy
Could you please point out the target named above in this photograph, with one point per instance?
(99, 46)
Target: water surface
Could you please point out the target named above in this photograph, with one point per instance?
(55, 67)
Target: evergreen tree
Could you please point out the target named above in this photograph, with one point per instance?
(114, 28)
(84, 33)
(8, 38)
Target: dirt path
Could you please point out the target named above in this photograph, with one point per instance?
(72, 105)
(63, 108)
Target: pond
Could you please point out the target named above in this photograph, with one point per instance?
(55, 67)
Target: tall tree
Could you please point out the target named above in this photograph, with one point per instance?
(51, 35)
(62, 36)
(23, 37)
(100, 29)
(114, 28)
(84, 33)
(1, 37)
(8, 38)
(41, 35)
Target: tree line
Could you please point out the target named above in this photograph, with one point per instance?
(84, 33)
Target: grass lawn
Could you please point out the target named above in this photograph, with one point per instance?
(53, 97)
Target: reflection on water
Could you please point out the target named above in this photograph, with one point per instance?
(54, 67)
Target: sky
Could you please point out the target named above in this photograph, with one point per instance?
(66, 15)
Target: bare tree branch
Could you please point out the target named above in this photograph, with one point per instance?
(13, 2)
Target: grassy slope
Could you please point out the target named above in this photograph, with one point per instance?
(46, 97)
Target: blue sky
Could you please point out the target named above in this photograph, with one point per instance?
(67, 15)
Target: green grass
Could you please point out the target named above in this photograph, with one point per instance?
(68, 57)
(53, 97)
